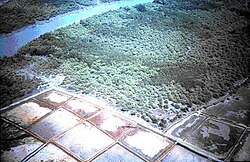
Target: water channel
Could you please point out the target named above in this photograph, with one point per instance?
(10, 43)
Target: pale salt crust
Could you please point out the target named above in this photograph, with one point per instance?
(148, 143)
(56, 98)
(112, 124)
(88, 108)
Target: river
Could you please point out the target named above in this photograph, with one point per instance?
(10, 43)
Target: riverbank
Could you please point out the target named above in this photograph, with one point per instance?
(159, 62)
(10, 43)
(18, 14)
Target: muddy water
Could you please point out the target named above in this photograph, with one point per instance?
(10, 43)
